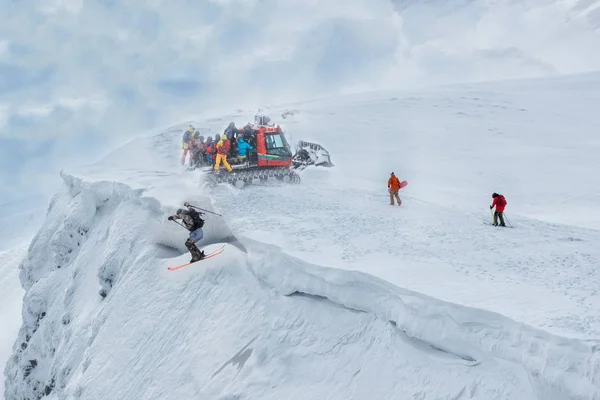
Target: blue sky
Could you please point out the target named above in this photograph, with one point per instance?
(78, 77)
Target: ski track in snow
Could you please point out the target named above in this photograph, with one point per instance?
(518, 311)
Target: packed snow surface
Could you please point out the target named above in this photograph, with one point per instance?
(324, 290)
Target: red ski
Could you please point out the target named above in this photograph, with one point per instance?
(209, 255)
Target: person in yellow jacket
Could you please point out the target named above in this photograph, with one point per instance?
(185, 143)
(223, 146)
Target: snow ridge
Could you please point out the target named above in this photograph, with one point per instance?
(92, 229)
(102, 318)
(470, 334)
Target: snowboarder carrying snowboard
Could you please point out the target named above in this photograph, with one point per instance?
(499, 202)
(193, 223)
(393, 187)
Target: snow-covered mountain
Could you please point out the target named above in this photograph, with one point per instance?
(324, 290)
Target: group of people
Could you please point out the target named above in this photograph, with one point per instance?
(233, 144)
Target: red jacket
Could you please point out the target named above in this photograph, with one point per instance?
(224, 148)
(499, 202)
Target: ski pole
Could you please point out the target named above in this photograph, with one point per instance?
(507, 220)
(202, 209)
(180, 224)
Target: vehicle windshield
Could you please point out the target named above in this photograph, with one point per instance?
(276, 145)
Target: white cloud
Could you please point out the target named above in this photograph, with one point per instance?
(35, 112)
(3, 48)
(3, 114)
(77, 70)
(56, 6)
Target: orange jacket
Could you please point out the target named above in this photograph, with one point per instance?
(394, 183)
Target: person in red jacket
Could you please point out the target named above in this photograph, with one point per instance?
(500, 203)
(222, 147)
(393, 187)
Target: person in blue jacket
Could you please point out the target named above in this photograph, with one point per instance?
(242, 148)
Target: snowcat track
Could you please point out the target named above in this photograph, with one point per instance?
(241, 179)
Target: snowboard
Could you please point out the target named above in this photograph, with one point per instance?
(209, 255)
(402, 184)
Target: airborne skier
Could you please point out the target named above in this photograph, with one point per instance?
(193, 223)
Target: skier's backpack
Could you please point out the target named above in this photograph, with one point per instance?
(502, 201)
(187, 136)
(198, 222)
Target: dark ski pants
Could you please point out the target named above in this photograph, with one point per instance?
(190, 244)
(499, 215)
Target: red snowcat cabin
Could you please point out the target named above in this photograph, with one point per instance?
(272, 149)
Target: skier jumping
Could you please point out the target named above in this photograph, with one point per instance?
(499, 202)
(193, 223)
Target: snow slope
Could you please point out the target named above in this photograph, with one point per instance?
(11, 304)
(535, 141)
(257, 325)
(486, 314)
(19, 222)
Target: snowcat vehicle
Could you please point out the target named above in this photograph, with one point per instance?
(271, 158)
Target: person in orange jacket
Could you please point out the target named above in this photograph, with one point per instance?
(393, 187)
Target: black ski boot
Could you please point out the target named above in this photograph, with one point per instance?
(197, 255)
